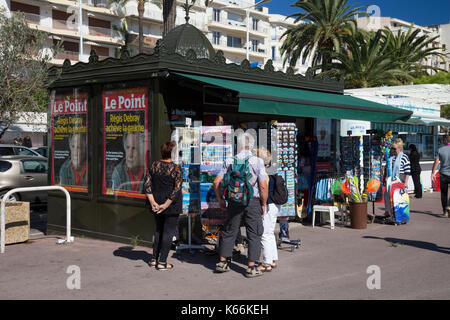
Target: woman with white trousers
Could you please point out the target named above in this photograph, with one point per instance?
(268, 240)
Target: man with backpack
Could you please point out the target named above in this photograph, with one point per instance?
(245, 185)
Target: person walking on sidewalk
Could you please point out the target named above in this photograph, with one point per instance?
(414, 158)
(400, 168)
(252, 212)
(162, 186)
(268, 240)
(443, 158)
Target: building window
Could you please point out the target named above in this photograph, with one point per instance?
(216, 37)
(273, 53)
(255, 24)
(234, 42)
(216, 15)
(235, 17)
(254, 45)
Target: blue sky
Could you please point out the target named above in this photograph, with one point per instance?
(418, 11)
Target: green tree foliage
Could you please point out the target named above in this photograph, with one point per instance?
(326, 25)
(439, 78)
(445, 111)
(383, 58)
(23, 70)
(412, 49)
(367, 62)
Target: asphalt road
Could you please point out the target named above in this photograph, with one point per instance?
(413, 261)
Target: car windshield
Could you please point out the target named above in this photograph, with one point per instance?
(41, 151)
(24, 152)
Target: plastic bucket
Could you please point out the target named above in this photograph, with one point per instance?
(358, 215)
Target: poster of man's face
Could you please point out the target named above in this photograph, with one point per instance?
(134, 151)
(69, 140)
(77, 145)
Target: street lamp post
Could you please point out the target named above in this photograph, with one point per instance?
(247, 12)
(80, 27)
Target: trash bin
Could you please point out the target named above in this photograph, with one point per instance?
(358, 215)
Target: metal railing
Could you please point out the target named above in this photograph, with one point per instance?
(33, 18)
(64, 25)
(100, 32)
(69, 238)
(71, 55)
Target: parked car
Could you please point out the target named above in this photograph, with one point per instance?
(13, 150)
(24, 171)
(43, 151)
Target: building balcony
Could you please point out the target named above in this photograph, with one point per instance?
(101, 32)
(97, 3)
(64, 25)
(32, 18)
(238, 27)
(72, 55)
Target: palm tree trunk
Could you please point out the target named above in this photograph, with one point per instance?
(141, 9)
(169, 15)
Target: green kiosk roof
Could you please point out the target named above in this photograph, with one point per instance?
(266, 99)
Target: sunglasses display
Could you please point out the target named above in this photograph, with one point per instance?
(286, 145)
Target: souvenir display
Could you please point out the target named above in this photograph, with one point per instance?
(350, 155)
(284, 143)
(372, 163)
(216, 147)
(188, 140)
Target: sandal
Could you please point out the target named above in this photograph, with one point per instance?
(166, 266)
(152, 263)
(253, 272)
(264, 267)
(223, 266)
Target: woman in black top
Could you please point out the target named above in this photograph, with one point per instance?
(414, 158)
(162, 185)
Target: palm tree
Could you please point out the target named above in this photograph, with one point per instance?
(367, 62)
(327, 22)
(169, 15)
(412, 49)
(123, 30)
(141, 9)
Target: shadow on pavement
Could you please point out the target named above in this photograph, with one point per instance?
(429, 213)
(130, 253)
(413, 243)
(209, 260)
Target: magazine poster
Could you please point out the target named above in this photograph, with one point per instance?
(69, 122)
(125, 141)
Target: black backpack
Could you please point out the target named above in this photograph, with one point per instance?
(280, 192)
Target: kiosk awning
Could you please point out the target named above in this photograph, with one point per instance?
(432, 121)
(266, 99)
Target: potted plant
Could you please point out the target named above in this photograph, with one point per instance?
(358, 201)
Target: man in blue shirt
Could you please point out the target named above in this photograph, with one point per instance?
(443, 157)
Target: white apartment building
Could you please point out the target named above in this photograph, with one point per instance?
(59, 19)
(442, 31)
(224, 23)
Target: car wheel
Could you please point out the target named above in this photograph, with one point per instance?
(12, 197)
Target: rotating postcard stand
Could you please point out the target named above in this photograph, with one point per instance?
(284, 149)
(188, 156)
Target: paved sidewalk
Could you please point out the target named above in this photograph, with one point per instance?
(414, 261)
